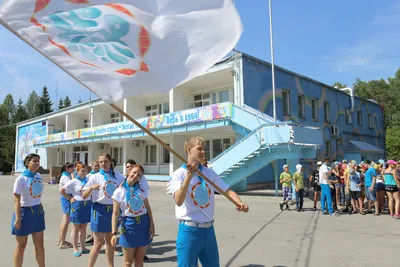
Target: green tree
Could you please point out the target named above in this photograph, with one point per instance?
(67, 102)
(45, 104)
(20, 112)
(7, 134)
(393, 143)
(31, 105)
(60, 104)
(339, 85)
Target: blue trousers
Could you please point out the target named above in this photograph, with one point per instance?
(193, 244)
(326, 198)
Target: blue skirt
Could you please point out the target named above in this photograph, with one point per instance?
(32, 221)
(65, 205)
(80, 212)
(100, 220)
(135, 231)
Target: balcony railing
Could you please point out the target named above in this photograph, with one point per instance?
(188, 116)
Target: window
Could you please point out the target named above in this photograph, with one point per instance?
(359, 117)
(156, 109)
(115, 117)
(328, 149)
(301, 104)
(370, 120)
(207, 149)
(86, 123)
(314, 107)
(286, 102)
(327, 112)
(201, 100)
(151, 154)
(348, 116)
(165, 155)
(116, 153)
(221, 96)
(219, 145)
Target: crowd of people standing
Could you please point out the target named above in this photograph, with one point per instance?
(365, 188)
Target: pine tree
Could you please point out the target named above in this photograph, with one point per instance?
(45, 104)
(67, 102)
(31, 105)
(60, 104)
(7, 134)
(20, 112)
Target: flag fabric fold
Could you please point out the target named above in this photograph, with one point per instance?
(127, 48)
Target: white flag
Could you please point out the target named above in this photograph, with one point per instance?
(129, 47)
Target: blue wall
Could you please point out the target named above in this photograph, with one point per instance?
(257, 86)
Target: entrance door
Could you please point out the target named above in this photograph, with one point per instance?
(81, 156)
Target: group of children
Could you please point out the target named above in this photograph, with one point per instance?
(117, 206)
(345, 187)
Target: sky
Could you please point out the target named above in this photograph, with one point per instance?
(327, 41)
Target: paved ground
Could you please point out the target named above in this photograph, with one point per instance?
(263, 237)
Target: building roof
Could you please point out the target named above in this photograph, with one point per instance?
(363, 147)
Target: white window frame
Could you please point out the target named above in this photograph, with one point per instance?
(155, 109)
(359, 117)
(370, 120)
(347, 116)
(118, 158)
(327, 112)
(115, 117)
(314, 109)
(286, 102)
(148, 154)
(211, 146)
(301, 106)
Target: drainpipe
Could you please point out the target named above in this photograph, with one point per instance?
(351, 90)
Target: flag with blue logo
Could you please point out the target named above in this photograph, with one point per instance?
(125, 48)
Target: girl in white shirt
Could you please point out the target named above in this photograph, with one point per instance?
(101, 187)
(28, 218)
(65, 177)
(137, 226)
(80, 208)
(95, 166)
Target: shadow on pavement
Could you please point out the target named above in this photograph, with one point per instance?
(250, 240)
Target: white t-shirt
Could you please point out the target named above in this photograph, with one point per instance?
(322, 170)
(199, 203)
(30, 193)
(75, 188)
(90, 175)
(64, 180)
(136, 202)
(104, 194)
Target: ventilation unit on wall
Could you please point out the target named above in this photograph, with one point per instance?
(335, 130)
(103, 146)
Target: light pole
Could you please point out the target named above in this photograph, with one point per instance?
(272, 60)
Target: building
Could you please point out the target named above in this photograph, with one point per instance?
(231, 107)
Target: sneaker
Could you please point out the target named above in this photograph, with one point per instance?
(302, 210)
(314, 209)
(145, 258)
(334, 213)
(287, 208)
(298, 210)
(281, 206)
(326, 212)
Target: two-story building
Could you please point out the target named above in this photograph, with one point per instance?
(230, 106)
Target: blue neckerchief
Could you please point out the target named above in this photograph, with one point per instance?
(106, 175)
(66, 174)
(129, 190)
(83, 180)
(31, 176)
(203, 183)
(92, 172)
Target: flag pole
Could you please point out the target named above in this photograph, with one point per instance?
(167, 147)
